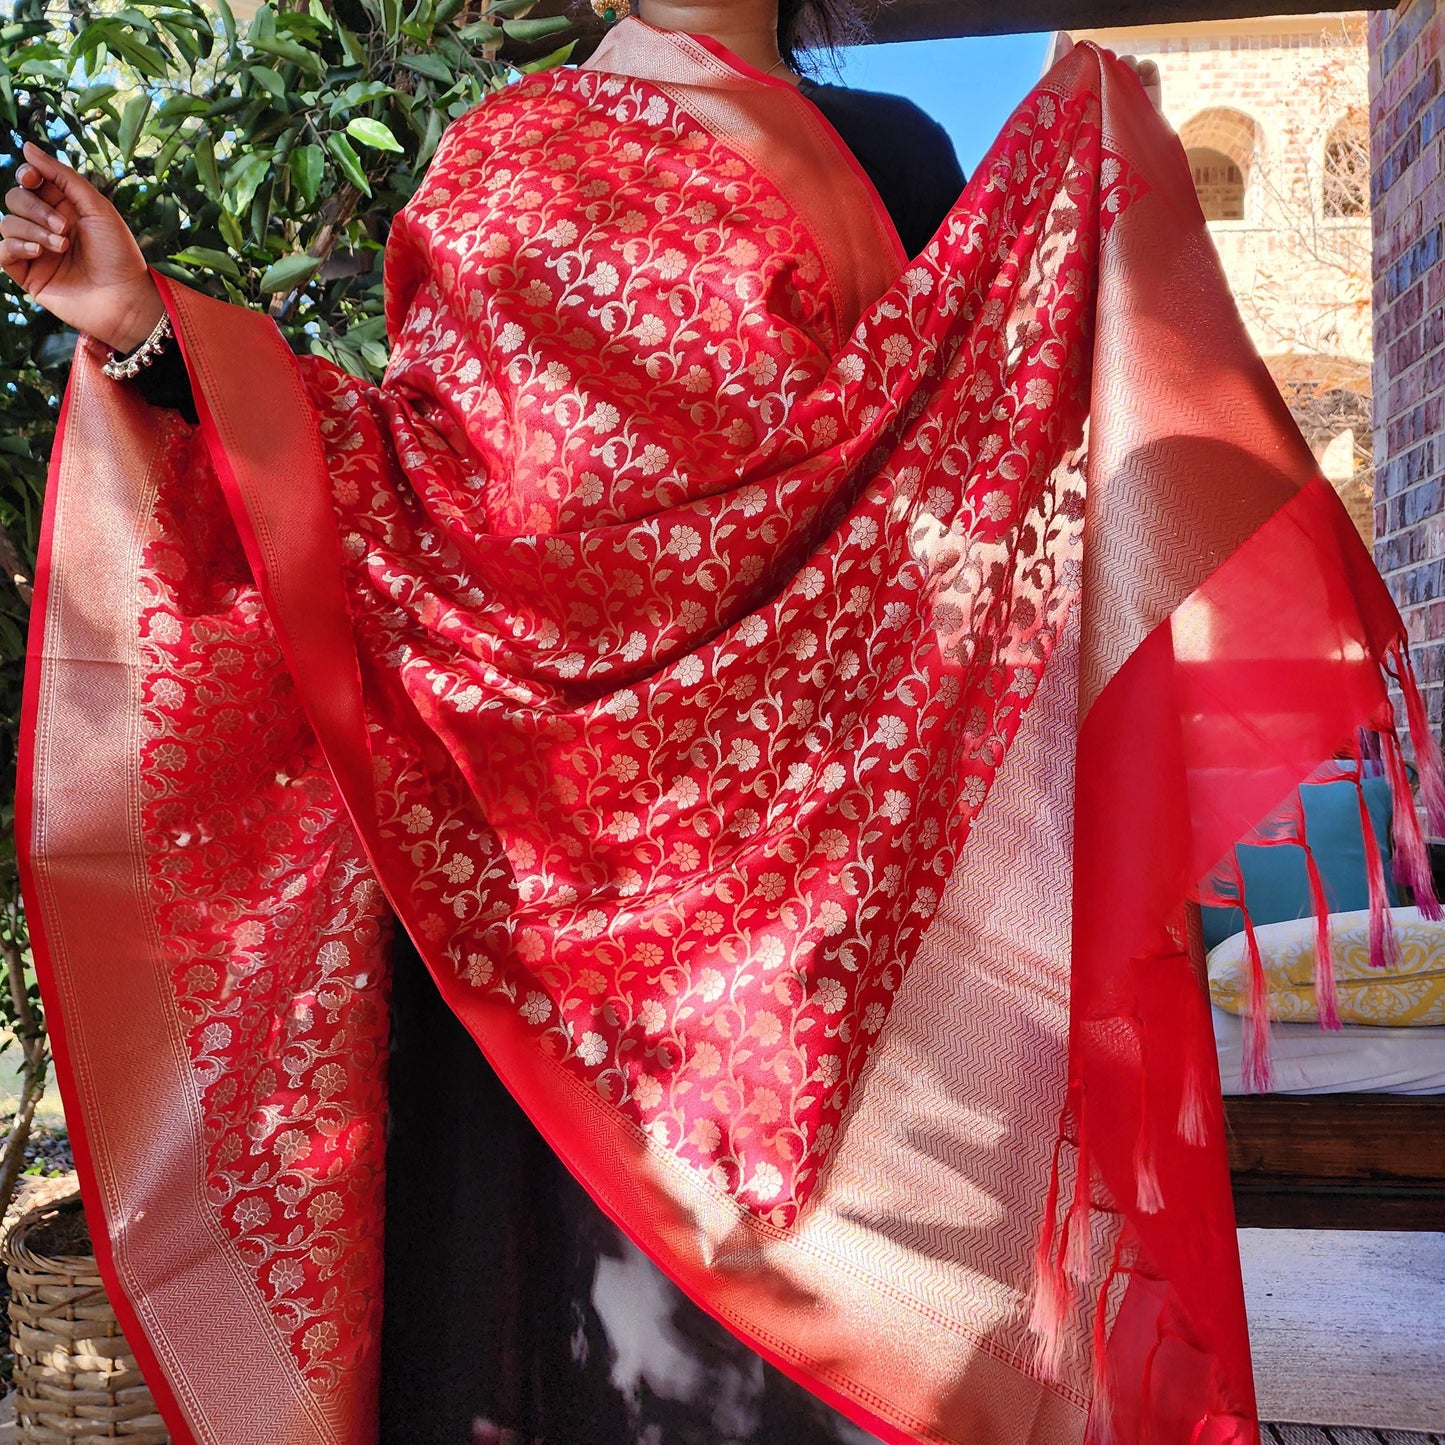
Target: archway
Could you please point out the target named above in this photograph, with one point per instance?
(1223, 147)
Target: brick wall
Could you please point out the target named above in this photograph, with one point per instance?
(1407, 138)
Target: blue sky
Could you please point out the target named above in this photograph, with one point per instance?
(967, 86)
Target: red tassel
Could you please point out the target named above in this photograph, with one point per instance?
(1147, 1417)
(1412, 858)
(1326, 1000)
(1079, 1226)
(1258, 1071)
(1101, 1413)
(1384, 946)
(1193, 1125)
(1053, 1294)
(1424, 741)
(1147, 1194)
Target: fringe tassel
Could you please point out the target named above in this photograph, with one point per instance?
(1053, 1292)
(1147, 1418)
(1146, 1178)
(1384, 945)
(1326, 1001)
(1079, 1226)
(1101, 1414)
(1423, 740)
(1147, 1193)
(1193, 1125)
(1258, 1071)
(1412, 859)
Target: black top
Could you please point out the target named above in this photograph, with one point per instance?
(907, 155)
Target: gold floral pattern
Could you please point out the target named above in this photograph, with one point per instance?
(692, 634)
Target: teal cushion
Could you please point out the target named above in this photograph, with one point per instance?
(1276, 881)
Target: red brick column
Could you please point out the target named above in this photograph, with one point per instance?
(1407, 141)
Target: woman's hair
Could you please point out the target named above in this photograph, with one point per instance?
(818, 25)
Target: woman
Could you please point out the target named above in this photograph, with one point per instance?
(651, 643)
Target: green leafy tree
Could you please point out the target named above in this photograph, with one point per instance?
(260, 164)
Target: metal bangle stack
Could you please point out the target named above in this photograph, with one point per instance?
(123, 368)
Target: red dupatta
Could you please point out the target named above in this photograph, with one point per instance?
(789, 752)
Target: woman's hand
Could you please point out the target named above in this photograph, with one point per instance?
(1146, 70)
(69, 249)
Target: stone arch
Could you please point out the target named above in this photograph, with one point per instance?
(1347, 168)
(1223, 147)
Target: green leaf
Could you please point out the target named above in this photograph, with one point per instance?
(260, 217)
(481, 31)
(371, 330)
(221, 261)
(131, 121)
(166, 154)
(150, 60)
(228, 21)
(511, 9)
(291, 50)
(345, 156)
(358, 93)
(352, 47)
(308, 165)
(128, 15)
(435, 125)
(206, 171)
(374, 353)
(300, 24)
(230, 229)
(288, 272)
(178, 106)
(269, 79)
(94, 95)
(547, 62)
(43, 70)
(528, 32)
(373, 133)
(429, 65)
(242, 180)
(263, 25)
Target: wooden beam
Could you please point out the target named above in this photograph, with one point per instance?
(937, 19)
(941, 19)
(1337, 1161)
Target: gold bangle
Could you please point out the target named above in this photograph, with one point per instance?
(124, 368)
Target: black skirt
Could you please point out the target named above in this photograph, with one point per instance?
(514, 1310)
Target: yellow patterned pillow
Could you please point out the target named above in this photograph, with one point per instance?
(1410, 994)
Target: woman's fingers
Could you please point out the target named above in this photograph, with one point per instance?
(27, 177)
(71, 185)
(17, 253)
(31, 179)
(20, 202)
(17, 228)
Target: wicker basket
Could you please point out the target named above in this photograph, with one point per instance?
(76, 1380)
